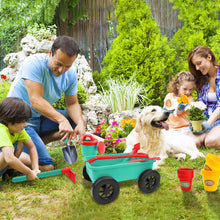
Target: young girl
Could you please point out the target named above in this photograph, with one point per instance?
(182, 84)
(14, 114)
(203, 65)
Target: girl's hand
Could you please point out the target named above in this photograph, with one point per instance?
(205, 127)
(181, 106)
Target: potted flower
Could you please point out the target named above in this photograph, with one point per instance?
(196, 114)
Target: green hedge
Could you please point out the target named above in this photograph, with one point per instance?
(140, 51)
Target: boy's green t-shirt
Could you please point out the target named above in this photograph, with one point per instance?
(6, 139)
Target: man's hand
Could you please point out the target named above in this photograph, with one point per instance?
(205, 127)
(181, 106)
(80, 130)
(66, 130)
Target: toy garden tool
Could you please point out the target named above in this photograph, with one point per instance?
(69, 153)
(90, 146)
(67, 170)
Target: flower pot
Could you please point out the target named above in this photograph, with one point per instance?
(212, 162)
(185, 176)
(196, 125)
(210, 179)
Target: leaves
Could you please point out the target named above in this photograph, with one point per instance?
(140, 51)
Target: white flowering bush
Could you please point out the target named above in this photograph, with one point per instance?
(196, 111)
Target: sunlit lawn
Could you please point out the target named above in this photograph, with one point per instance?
(60, 198)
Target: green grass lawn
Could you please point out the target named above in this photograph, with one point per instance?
(60, 198)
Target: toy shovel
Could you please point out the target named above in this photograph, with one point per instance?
(69, 153)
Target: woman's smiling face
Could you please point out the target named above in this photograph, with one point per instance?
(202, 64)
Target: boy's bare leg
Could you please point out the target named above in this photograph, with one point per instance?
(25, 159)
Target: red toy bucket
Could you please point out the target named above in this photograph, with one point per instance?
(185, 176)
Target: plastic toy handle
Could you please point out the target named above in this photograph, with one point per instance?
(143, 155)
(40, 175)
(140, 160)
(70, 173)
(86, 136)
(101, 147)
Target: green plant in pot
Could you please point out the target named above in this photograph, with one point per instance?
(196, 114)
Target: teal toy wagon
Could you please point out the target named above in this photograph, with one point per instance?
(105, 171)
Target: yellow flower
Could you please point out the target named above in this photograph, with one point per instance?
(133, 122)
(183, 99)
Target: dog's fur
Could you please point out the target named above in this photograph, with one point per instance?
(156, 141)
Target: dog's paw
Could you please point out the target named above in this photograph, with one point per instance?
(155, 166)
(195, 156)
(181, 157)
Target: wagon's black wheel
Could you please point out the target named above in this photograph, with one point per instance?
(149, 181)
(85, 174)
(105, 190)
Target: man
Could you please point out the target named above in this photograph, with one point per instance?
(40, 82)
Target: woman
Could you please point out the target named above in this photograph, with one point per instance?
(202, 64)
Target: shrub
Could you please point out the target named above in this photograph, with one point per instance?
(41, 32)
(100, 81)
(4, 87)
(81, 94)
(122, 94)
(140, 50)
(201, 27)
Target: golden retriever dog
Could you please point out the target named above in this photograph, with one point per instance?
(155, 138)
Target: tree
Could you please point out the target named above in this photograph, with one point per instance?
(16, 16)
(140, 50)
(201, 27)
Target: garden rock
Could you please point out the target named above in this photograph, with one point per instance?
(94, 110)
(29, 44)
(85, 74)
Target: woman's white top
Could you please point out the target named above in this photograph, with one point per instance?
(211, 99)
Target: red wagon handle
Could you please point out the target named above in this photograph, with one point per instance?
(140, 160)
(117, 156)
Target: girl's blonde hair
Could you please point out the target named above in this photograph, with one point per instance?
(178, 80)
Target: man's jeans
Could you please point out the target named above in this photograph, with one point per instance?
(39, 127)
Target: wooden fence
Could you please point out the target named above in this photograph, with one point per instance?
(96, 32)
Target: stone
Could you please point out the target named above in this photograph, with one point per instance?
(94, 109)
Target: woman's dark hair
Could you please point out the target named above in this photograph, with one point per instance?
(66, 44)
(178, 79)
(202, 51)
(14, 110)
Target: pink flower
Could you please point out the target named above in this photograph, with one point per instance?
(117, 141)
(108, 136)
(115, 123)
(102, 123)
